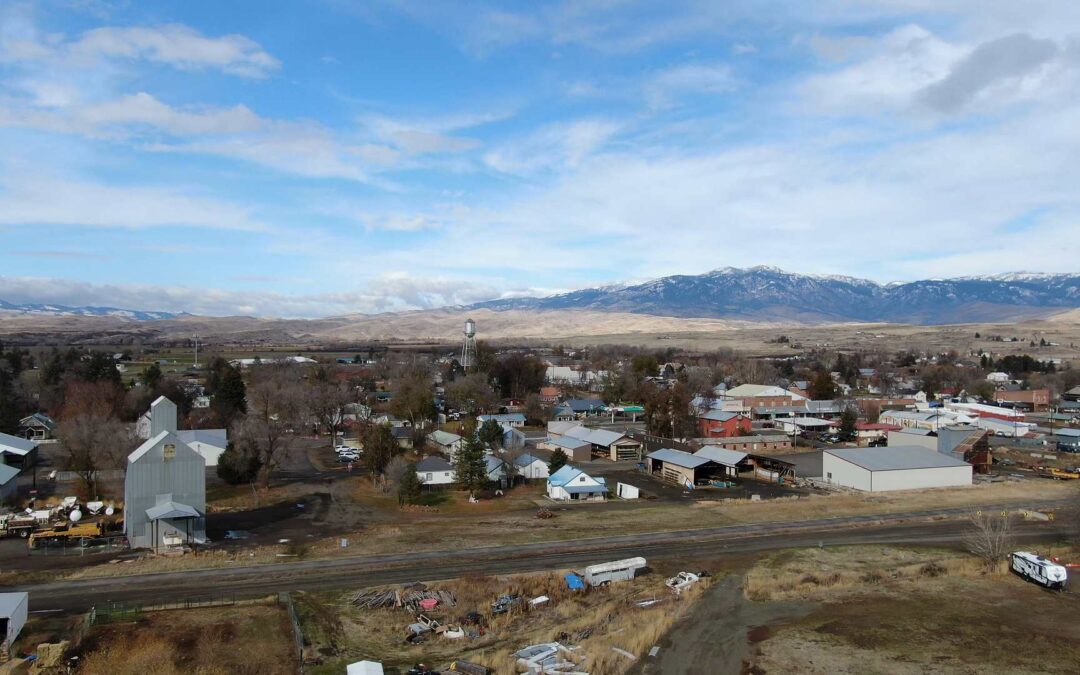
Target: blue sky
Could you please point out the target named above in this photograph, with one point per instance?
(329, 157)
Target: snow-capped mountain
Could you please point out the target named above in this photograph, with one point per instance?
(768, 293)
(64, 310)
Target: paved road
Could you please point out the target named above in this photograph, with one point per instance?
(361, 571)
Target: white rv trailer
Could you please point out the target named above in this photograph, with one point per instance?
(619, 570)
(1038, 569)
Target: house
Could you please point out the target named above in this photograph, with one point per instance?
(506, 419)
(496, 469)
(37, 427)
(513, 438)
(446, 442)
(549, 394)
(1037, 400)
(403, 436)
(893, 468)
(435, 471)
(17, 452)
(576, 450)
(583, 407)
(800, 425)
(721, 424)
(165, 494)
(572, 484)
(1072, 395)
(998, 378)
(678, 466)
(531, 467)
(563, 413)
(866, 432)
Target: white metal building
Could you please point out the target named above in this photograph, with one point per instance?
(13, 613)
(893, 468)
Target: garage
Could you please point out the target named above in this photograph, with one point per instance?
(682, 467)
(893, 468)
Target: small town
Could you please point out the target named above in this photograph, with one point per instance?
(576, 337)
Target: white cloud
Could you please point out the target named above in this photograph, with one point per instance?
(557, 146)
(34, 199)
(175, 45)
(663, 88)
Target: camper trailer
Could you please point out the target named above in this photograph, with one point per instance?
(620, 570)
(1038, 569)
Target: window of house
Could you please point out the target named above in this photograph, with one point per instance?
(427, 476)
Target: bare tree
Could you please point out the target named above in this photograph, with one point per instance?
(326, 402)
(394, 472)
(989, 536)
(93, 436)
(275, 410)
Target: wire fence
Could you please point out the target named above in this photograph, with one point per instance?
(298, 633)
(81, 546)
(110, 612)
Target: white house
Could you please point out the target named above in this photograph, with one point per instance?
(507, 419)
(435, 471)
(893, 468)
(209, 443)
(571, 483)
(531, 467)
(998, 378)
(445, 442)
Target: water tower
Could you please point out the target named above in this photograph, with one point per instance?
(468, 349)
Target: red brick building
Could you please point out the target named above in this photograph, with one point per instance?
(722, 424)
(1036, 400)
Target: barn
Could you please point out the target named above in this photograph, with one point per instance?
(893, 468)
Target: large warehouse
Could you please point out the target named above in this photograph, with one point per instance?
(906, 467)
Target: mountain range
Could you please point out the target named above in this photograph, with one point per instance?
(771, 294)
(756, 294)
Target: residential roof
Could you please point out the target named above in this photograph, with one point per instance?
(556, 427)
(172, 510)
(15, 445)
(7, 473)
(219, 438)
(39, 418)
(718, 415)
(752, 390)
(584, 404)
(578, 489)
(503, 417)
(564, 475)
(441, 437)
(566, 442)
(895, 458)
(401, 432)
(721, 455)
(493, 463)
(526, 459)
(678, 458)
(432, 464)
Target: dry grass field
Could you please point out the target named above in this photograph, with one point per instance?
(595, 621)
(895, 610)
(249, 640)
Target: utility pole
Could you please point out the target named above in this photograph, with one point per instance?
(196, 350)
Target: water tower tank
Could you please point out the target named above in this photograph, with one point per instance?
(470, 328)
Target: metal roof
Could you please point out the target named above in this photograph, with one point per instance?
(9, 603)
(678, 458)
(718, 415)
(567, 442)
(7, 473)
(172, 510)
(721, 455)
(443, 437)
(895, 458)
(218, 438)
(16, 445)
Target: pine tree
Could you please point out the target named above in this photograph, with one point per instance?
(230, 399)
(557, 461)
(490, 433)
(848, 418)
(151, 377)
(409, 487)
(470, 467)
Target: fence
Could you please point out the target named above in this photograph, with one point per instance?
(298, 633)
(84, 546)
(102, 475)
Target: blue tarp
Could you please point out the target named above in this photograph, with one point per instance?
(574, 582)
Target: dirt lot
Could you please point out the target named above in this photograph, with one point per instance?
(653, 487)
(890, 610)
(595, 621)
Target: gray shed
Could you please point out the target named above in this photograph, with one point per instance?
(165, 494)
(13, 610)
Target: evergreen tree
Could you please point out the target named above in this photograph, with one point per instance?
(490, 433)
(230, 399)
(409, 486)
(822, 387)
(848, 418)
(470, 467)
(238, 465)
(558, 460)
(379, 448)
(151, 377)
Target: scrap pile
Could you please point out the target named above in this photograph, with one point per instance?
(413, 599)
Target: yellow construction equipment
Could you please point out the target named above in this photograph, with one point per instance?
(66, 532)
(1058, 474)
